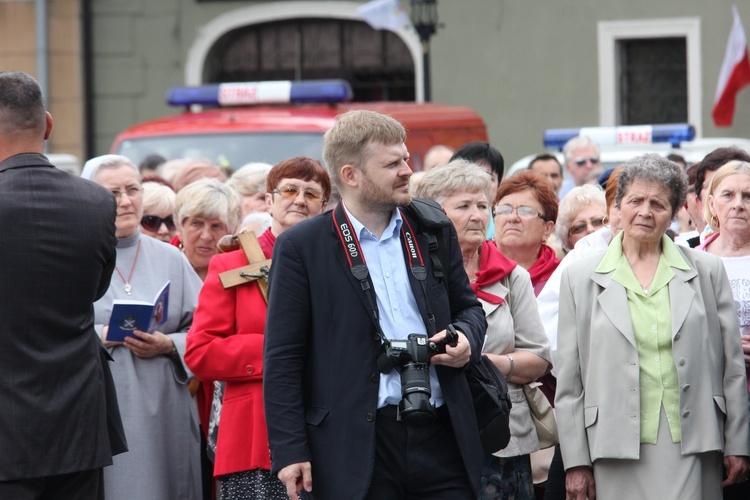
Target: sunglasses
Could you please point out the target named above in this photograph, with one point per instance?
(154, 222)
(290, 192)
(581, 228)
(594, 160)
(521, 210)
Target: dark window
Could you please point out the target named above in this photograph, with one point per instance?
(652, 81)
(376, 63)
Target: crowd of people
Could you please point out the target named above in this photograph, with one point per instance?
(294, 359)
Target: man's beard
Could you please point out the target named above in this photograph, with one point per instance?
(381, 200)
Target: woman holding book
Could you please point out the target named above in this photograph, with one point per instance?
(226, 340)
(159, 417)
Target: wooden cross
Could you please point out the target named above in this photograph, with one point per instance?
(257, 270)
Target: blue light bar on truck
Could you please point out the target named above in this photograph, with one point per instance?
(674, 133)
(249, 93)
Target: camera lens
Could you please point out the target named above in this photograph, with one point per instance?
(415, 407)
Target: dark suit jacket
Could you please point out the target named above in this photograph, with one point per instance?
(56, 259)
(321, 378)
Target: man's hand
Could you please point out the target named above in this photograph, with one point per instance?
(579, 484)
(296, 477)
(149, 345)
(737, 470)
(455, 357)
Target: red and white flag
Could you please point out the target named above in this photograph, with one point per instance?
(735, 74)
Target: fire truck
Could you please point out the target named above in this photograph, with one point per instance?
(238, 123)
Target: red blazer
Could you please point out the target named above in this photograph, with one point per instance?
(225, 343)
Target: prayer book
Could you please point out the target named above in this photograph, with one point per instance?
(128, 315)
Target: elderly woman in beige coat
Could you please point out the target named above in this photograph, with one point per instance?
(516, 341)
(651, 396)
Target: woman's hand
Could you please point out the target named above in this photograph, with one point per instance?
(737, 469)
(579, 484)
(149, 345)
(105, 342)
(746, 349)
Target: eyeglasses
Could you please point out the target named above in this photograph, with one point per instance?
(154, 222)
(594, 160)
(130, 191)
(581, 228)
(290, 191)
(521, 210)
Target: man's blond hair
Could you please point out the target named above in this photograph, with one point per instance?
(345, 143)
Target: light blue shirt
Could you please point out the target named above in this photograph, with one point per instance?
(398, 311)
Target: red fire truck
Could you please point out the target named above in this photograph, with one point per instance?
(238, 123)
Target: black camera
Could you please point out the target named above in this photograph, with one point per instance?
(412, 356)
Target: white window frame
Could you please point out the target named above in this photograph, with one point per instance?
(210, 33)
(610, 32)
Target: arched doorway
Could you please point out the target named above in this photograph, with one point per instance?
(305, 40)
(376, 63)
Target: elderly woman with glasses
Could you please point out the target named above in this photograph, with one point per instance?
(158, 210)
(525, 209)
(581, 212)
(205, 210)
(159, 417)
(650, 370)
(515, 338)
(226, 340)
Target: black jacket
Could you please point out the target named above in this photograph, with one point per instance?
(56, 259)
(320, 374)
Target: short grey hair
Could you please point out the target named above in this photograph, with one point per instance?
(92, 167)
(250, 179)
(158, 197)
(571, 204)
(653, 167)
(457, 176)
(208, 198)
(579, 141)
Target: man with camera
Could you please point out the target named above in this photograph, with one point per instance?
(367, 337)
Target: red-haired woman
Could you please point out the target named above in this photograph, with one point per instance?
(525, 210)
(225, 341)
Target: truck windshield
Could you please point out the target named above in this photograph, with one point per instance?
(234, 150)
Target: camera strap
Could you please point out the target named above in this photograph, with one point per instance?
(358, 266)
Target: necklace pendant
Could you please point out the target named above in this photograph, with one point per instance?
(128, 288)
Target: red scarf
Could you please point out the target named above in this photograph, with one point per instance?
(493, 266)
(544, 265)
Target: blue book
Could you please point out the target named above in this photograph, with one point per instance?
(129, 315)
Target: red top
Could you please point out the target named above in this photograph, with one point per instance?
(225, 343)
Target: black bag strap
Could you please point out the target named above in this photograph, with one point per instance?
(435, 226)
